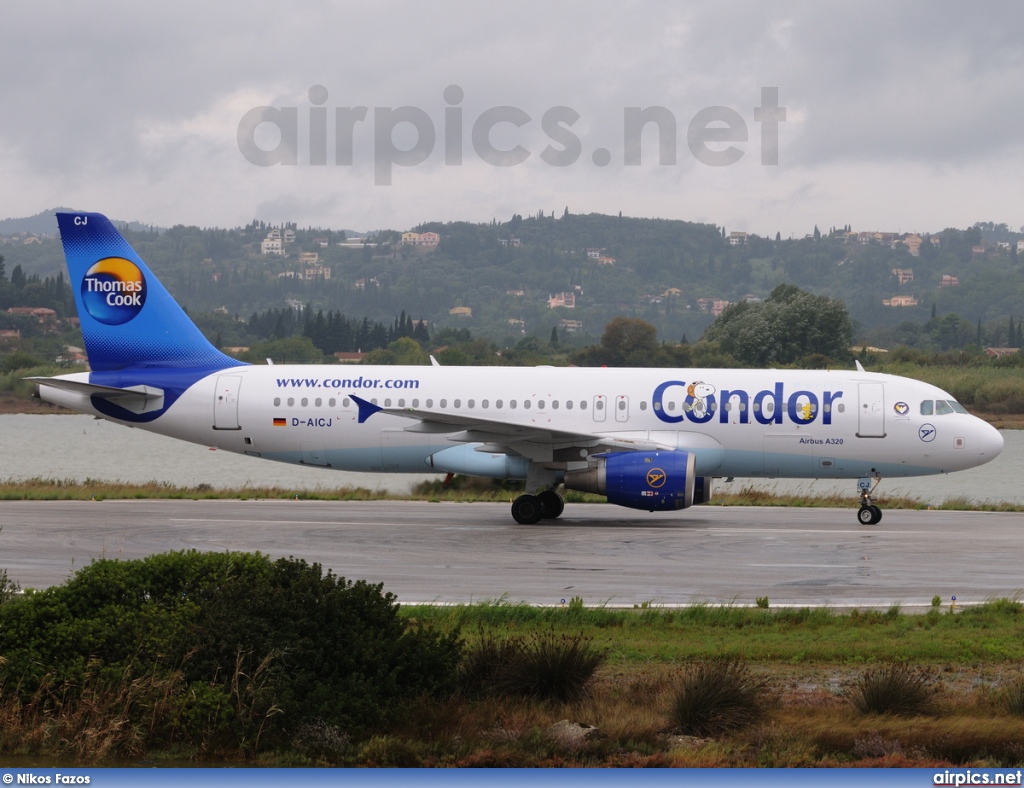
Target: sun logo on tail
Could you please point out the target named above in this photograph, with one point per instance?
(113, 291)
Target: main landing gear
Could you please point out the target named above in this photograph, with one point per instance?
(531, 509)
(868, 514)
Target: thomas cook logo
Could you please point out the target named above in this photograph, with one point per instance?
(656, 477)
(114, 290)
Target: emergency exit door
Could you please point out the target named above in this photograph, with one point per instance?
(871, 414)
(225, 402)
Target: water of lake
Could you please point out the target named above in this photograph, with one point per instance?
(80, 447)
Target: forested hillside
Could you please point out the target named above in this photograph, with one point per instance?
(500, 277)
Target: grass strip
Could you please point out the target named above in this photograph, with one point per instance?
(482, 491)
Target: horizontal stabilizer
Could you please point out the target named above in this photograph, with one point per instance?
(137, 399)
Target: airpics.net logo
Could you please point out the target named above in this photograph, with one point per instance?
(500, 136)
(114, 291)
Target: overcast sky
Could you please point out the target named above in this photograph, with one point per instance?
(898, 116)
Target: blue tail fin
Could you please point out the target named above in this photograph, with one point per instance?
(128, 319)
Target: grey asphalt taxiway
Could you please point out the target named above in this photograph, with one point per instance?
(444, 552)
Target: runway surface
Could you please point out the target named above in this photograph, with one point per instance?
(443, 552)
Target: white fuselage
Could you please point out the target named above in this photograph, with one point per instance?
(760, 423)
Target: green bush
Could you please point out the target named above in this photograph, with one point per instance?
(717, 696)
(8, 587)
(261, 647)
(896, 688)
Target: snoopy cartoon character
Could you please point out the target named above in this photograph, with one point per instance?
(699, 391)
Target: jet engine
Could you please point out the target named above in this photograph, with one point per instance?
(656, 481)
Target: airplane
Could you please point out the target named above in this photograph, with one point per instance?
(648, 439)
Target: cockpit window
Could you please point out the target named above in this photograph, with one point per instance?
(942, 407)
(957, 406)
(927, 407)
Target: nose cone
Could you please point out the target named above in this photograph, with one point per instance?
(990, 442)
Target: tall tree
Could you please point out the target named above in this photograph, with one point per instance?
(789, 325)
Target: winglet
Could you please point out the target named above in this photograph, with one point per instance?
(433, 362)
(366, 409)
(859, 367)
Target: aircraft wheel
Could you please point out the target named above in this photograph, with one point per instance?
(869, 515)
(551, 504)
(527, 510)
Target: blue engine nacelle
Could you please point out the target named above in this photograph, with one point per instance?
(656, 481)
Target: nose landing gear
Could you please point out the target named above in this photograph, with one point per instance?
(868, 514)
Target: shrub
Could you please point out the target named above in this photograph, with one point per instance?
(8, 587)
(1012, 697)
(717, 696)
(896, 688)
(544, 666)
(483, 662)
(261, 647)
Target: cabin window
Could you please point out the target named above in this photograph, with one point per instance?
(622, 404)
(305, 402)
(568, 404)
(512, 404)
(401, 403)
(332, 402)
(526, 404)
(599, 404)
(387, 402)
(671, 405)
(443, 403)
(643, 405)
(713, 407)
(457, 403)
(415, 403)
(583, 404)
(277, 402)
(554, 404)
(842, 407)
(319, 402)
(346, 402)
(373, 401)
(291, 402)
(540, 404)
(470, 404)
(769, 406)
(657, 406)
(430, 403)
(942, 408)
(498, 404)
(484, 404)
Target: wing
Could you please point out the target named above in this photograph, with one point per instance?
(538, 440)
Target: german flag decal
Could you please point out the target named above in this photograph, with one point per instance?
(280, 422)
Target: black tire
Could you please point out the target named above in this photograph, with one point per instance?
(526, 510)
(551, 504)
(866, 516)
(878, 515)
